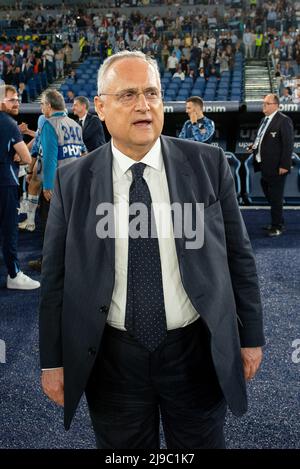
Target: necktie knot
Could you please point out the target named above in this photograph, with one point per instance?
(80, 122)
(137, 170)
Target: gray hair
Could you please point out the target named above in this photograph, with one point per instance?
(55, 99)
(83, 100)
(125, 54)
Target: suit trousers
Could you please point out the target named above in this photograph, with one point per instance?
(44, 210)
(131, 389)
(273, 188)
(9, 203)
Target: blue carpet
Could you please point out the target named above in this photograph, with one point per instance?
(29, 420)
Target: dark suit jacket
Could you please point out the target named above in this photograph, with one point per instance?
(276, 147)
(92, 132)
(78, 267)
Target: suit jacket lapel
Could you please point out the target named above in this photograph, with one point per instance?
(86, 122)
(181, 181)
(101, 191)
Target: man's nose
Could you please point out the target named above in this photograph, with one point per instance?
(141, 102)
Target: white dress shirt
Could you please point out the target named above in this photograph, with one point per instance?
(270, 117)
(82, 119)
(179, 310)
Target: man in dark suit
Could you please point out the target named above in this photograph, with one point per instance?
(146, 318)
(92, 129)
(272, 150)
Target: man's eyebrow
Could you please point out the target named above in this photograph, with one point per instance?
(135, 90)
(127, 90)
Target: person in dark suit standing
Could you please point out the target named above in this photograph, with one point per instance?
(92, 129)
(144, 317)
(272, 150)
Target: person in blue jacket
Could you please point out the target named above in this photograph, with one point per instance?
(198, 127)
(61, 143)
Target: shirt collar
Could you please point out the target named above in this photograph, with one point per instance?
(270, 117)
(122, 163)
(83, 119)
(59, 113)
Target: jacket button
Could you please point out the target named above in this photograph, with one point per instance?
(104, 309)
(92, 351)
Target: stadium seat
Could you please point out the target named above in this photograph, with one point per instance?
(197, 92)
(182, 95)
(292, 186)
(254, 192)
(186, 86)
(75, 88)
(64, 88)
(235, 165)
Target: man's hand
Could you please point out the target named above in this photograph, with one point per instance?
(17, 159)
(193, 117)
(251, 358)
(282, 171)
(53, 385)
(47, 194)
(23, 128)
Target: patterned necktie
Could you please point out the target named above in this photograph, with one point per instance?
(145, 317)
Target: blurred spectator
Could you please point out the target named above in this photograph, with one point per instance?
(70, 97)
(213, 72)
(286, 96)
(48, 62)
(248, 43)
(172, 63)
(22, 92)
(179, 73)
(165, 54)
(287, 70)
(59, 63)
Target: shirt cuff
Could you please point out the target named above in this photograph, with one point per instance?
(49, 369)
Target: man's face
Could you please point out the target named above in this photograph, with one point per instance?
(46, 108)
(10, 103)
(269, 105)
(190, 108)
(78, 108)
(135, 124)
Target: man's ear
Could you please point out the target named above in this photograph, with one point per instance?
(99, 107)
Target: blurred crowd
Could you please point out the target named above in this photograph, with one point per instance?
(202, 40)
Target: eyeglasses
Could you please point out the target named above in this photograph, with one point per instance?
(267, 104)
(131, 96)
(12, 100)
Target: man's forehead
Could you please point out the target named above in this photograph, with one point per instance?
(129, 70)
(11, 94)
